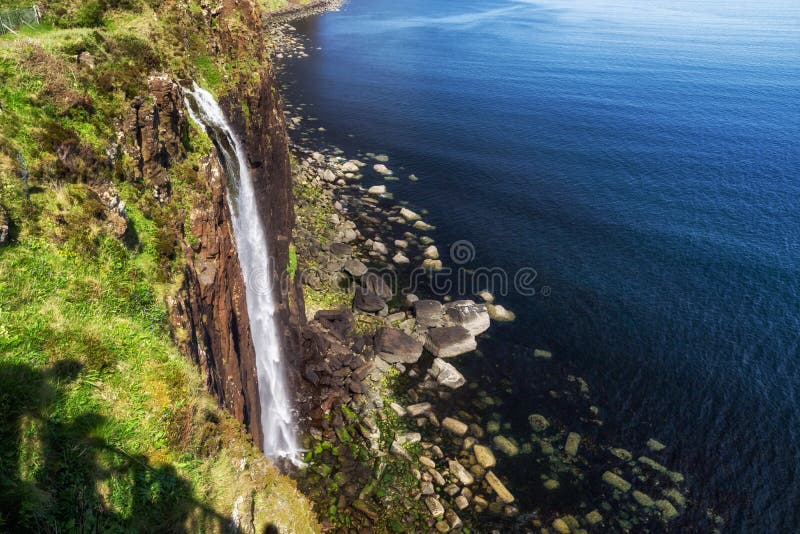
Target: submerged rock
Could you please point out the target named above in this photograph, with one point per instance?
(573, 441)
(450, 341)
(668, 511)
(409, 215)
(594, 518)
(538, 422)
(622, 454)
(380, 168)
(454, 425)
(616, 481)
(541, 353)
(642, 498)
(655, 445)
(506, 445)
(377, 190)
(499, 313)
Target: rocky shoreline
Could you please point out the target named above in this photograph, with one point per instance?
(397, 438)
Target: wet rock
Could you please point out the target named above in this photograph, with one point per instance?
(395, 346)
(642, 498)
(551, 484)
(499, 488)
(409, 215)
(668, 511)
(454, 425)
(355, 268)
(506, 445)
(655, 445)
(622, 454)
(484, 456)
(432, 265)
(341, 249)
(377, 190)
(616, 481)
(573, 441)
(486, 296)
(422, 225)
(473, 317)
(400, 259)
(538, 422)
(429, 313)
(541, 353)
(499, 313)
(421, 408)
(380, 168)
(560, 526)
(450, 341)
(446, 375)
(350, 166)
(368, 302)
(594, 518)
(431, 252)
(434, 506)
(379, 247)
(375, 284)
(461, 473)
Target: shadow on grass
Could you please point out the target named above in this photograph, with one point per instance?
(57, 474)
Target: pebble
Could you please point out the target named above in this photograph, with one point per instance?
(484, 456)
(499, 488)
(573, 441)
(434, 506)
(506, 445)
(455, 426)
(643, 499)
(377, 190)
(461, 502)
(461, 473)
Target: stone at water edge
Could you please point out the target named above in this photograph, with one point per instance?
(383, 158)
(379, 247)
(655, 445)
(455, 426)
(616, 481)
(461, 473)
(486, 296)
(395, 346)
(350, 166)
(429, 313)
(377, 190)
(538, 422)
(506, 445)
(446, 375)
(450, 341)
(499, 488)
(400, 259)
(409, 215)
(499, 313)
(434, 506)
(355, 268)
(484, 456)
(421, 408)
(431, 252)
(368, 302)
(380, 168)
(594, 517)
(573, 441)
(432, 265)
(473, 317)
(422, 225)
(560, 526)
(341, 249)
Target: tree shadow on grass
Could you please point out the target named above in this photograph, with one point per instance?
(57, 474)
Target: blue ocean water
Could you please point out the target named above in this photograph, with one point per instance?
(643, 158)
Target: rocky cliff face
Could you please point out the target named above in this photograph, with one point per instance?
(209, 312)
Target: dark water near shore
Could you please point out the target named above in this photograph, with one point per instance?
(644, 160)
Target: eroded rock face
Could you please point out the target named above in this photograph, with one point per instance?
(154, 128)
(210, 310)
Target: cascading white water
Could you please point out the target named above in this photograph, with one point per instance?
(251, 242)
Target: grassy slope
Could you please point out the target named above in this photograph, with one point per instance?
(103, 424)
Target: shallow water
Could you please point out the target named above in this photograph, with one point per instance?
(644, 161)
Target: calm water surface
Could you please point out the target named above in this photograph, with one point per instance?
(643, 157)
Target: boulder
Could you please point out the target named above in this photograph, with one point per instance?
(400, 259)
(409, 215)
(446, 375)
(341, 249)
(368, 302)
(422, 225)
(461, 473)
(379, 247)
(506, 445)
(373, 283)
(538, 422)
(432, 265)
(377, 190)
(454, 425)
(450, 341)
(473, 317)
(484, 455)
(418, 409)
(355, 268)
(429, 313)
(573, 441)
(350, 166)
(380, 168)
(499, 488)
(431, 252)
(395, 346)
(499, 313)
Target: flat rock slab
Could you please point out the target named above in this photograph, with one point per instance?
(341, 249)
(395, 346)
(368, 302)
(450, 341)
(375, 284)
(473, 317)
(429, 313)
(355, 268)
(446, 375)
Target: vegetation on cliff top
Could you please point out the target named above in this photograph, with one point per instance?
(103, 424)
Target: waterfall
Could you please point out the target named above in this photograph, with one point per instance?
(251, 242)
